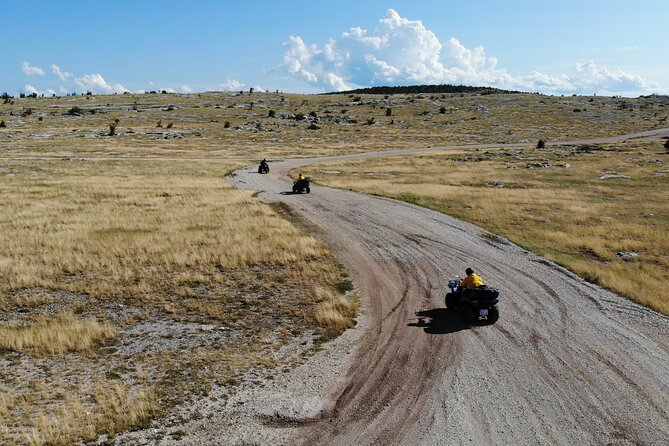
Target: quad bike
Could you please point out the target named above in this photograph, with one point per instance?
(476, 305)
(263, 168)
(301, 186)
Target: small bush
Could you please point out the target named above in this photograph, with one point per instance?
(299, 116)
(389, 111)
(666, 144)
(75, 111)
(226, 124)
(160, 123)
(313, 126)
(370, 121)
(442, 110)
(357, 99)
(170, 125)
(313, 114)
(271, 113)
(2, 124)
(112, 129)
(541, 144)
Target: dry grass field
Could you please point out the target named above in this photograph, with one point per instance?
(129, 287)
(580, 206)
(274, 125)
(136, 278)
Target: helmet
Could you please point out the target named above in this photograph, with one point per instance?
(469, 271)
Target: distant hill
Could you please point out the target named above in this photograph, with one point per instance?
(412, 89)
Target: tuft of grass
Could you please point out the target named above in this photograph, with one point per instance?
(59, 334)
(335, 312)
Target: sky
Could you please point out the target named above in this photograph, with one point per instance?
(614, 47)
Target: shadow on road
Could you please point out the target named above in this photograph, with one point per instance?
(438, 321)
(290, 193)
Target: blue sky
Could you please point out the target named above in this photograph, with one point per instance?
(560, 47)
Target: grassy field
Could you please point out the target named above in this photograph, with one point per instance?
(580, 206)
(274, 125)
(136, 278)
(129, 287)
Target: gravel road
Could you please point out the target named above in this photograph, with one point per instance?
(567, 363)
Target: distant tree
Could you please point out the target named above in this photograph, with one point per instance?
(112, 129)
(389, 111)
(313, 114)
(40, 119)
(370, 121)
(251, 90)
(226, 124)
(271, 113)
(170, 125)
(541, 144)
(442, 110)
(89, 93)
(22, 95)
(2, 124)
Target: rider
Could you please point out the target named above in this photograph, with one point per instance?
(263, 162)
(300, 177)
(472, 280)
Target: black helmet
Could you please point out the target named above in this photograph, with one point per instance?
(469, 271)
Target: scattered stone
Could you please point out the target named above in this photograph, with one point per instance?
(610, 175)
(627, 255)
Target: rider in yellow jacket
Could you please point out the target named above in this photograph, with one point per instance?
(472, 280)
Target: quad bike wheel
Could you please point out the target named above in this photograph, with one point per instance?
(493, 315)
(451, 301)
(307, 189)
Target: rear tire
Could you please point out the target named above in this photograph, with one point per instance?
(294, 190)
(493, 315)
(307, 189)
(467, 314)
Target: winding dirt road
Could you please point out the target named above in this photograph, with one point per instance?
(567, 363)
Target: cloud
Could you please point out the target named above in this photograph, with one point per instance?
(29, 70)
(231, 85)
(186, 89)
(404, 52)
(63, 75)
(30, 89)
(96, 83)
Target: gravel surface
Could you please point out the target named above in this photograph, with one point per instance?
(567, 362)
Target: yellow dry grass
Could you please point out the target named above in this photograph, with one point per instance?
(76, 415)
(565, 213)
(141, 243)
(59, 334)
(114, 230)
(335, 312)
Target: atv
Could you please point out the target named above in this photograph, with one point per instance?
(263, 168)
(475, 305)
(301, 186)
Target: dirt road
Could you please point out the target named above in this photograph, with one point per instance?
(567, 363)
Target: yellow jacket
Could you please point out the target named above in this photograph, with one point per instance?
(472, 281)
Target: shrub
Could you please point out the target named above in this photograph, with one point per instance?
(389, 111)
(666, 144)
(442, 110)
(313, 126)
(271, 113)
(75, 111)
(299, 116)
(313, 114)
(370, 121)
(2, 124)
(160, 123)
(170, 125)
(541, 144)
(226, 124)
(357, 99)
(112, 129)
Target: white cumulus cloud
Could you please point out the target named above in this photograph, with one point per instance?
(30, 70)
(63, 75)
(232, 85)
(186, 89)
(31, 89)
(97, 84)
(400, 51)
